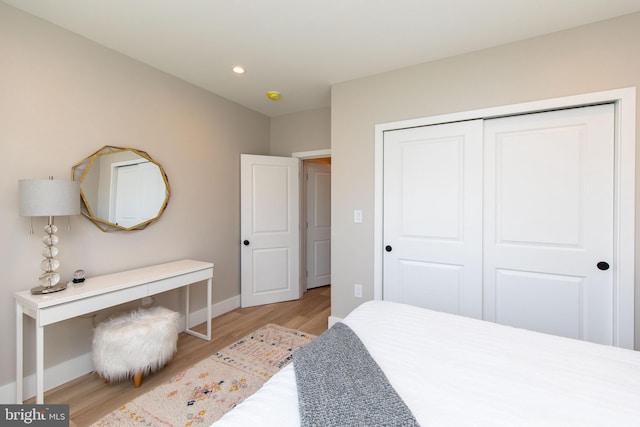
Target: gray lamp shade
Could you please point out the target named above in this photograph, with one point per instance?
(47, 197)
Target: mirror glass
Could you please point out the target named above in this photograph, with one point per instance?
(121, 188)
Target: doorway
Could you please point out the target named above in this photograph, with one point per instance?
(316, 225)
(315, 208)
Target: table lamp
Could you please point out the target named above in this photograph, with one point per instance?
(50, 198)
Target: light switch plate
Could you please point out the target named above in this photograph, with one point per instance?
(357, 216)
(357, 290)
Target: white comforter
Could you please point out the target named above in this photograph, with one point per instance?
(454, 371)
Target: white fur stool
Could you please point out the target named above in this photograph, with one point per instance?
(134, 344)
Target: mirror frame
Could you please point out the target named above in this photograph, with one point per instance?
(80, 170)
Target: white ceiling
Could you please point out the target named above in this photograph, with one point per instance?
(301, 47)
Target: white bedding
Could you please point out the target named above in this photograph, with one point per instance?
(454, 371)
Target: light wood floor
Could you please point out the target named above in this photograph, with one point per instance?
(89, 398)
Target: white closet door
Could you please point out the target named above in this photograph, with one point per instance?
(548, 222)
(433, 217)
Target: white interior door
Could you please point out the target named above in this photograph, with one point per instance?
(549, 181)
(318, 212)
(124, 195)
(433, 217)
(138, 193)
(270, 234)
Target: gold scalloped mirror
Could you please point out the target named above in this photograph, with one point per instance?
(122, 189)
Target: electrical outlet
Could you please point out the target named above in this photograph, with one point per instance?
(357, 290)
(147, 300)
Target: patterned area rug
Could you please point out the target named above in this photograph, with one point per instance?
(207, 390)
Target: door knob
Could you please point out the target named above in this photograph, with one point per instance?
(246, 243)
(603, 265)
(388, 248)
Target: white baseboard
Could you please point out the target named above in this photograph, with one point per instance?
(217, 309)
(333, 320)
(69, 370)
(53, 377)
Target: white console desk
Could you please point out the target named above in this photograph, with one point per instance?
(98, 293)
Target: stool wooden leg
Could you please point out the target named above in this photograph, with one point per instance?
(137, 379)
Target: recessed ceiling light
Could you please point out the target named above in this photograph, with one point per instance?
(238, 69)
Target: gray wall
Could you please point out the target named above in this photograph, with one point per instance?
(592, 58)
(304, 131)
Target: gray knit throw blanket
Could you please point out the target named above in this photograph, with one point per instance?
(339, 384)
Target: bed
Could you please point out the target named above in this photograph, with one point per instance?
(456, 371)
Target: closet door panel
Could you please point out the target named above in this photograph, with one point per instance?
(548, 222)
(539, 184)
(432, 215)
(437, 286)
(431, 171)
(522, 299)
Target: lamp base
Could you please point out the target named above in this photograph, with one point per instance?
(39, 290)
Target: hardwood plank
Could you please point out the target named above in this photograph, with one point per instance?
(90, 398)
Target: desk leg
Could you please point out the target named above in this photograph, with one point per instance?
(19, 353)
(19, 358)
(187, 312)
(39, 364)
(209, 310)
